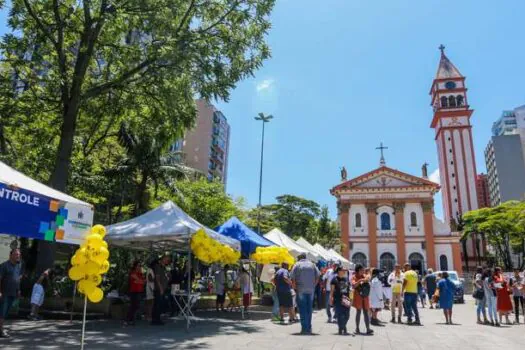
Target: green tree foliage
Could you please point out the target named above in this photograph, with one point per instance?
(72, 71)
(503, 227)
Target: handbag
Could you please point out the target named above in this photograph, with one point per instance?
(478, 294)
(345, 301)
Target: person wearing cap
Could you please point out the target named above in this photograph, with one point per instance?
(304, 276)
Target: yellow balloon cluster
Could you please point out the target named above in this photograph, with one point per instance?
(89, 263)
(210, 251)
(272, 255)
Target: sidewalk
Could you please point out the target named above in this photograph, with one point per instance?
(228, 331)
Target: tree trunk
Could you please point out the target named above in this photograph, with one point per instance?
(140, 200)
(465, 253)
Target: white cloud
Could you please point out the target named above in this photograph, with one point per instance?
(264, 85)
(434, 177)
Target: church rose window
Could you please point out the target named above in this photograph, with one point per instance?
(385, 221)
(358, 220)
(413, 219)
(359, 258)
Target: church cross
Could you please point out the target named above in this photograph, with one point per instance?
(381, 148)
(442, 49)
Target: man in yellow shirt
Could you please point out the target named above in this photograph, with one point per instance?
(410, 293)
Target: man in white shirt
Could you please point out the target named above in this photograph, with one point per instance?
(327, 278)
(396, 282)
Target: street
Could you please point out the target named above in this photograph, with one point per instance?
(230, 332)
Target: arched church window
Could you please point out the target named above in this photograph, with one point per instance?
(444, 102)
(459, 100)
(359, 258)
(443, 263)
(387, 262)
(416, 260)
(413, 219)
(358, 220)
(452, 101)
(385, 221)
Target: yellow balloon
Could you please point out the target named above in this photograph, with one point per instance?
(75, 273)
(92, 268)
(105, 244)
(86, 286)
(96, 295)
(99, 230)
(94, 241)
(104, 267)
(104, 252)
(97, 279)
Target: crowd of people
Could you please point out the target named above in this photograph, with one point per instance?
(493, 291)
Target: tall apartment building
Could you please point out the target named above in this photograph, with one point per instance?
(505, 169)
(482, 186)
(206, 146)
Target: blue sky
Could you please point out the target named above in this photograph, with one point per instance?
(347, 74)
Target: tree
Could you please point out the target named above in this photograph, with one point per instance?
(207, 202)
(67, 58)
(504, 228)
(294, 214)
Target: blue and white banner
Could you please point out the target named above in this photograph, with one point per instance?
(28, 214)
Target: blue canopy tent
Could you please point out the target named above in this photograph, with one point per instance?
(249, 239)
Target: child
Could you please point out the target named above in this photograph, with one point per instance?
(37, 296)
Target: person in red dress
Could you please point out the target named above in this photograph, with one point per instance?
(361, 287)
(136, 288)
(503, 304)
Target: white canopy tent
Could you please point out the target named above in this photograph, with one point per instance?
(165, 227)
(282, 240)
(325, 252)
(347, 263)
(306, 245)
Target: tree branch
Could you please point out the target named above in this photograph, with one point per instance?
(222, 18)
(39, 23)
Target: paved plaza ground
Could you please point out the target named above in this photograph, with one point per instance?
(228, 331)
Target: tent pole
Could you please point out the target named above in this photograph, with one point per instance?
(83, 325)
(189, 288)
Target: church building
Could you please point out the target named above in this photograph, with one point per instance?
(387, 218)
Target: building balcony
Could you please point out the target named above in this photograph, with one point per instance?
(386, 233)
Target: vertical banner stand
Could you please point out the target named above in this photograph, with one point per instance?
(83, 324)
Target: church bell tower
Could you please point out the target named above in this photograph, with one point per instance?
(453, 135)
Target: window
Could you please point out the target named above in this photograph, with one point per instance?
(385, 221)
(359, 258)
(358, 220)
(452, 101)
(443, 263)
(387, 262)
(417, 260)
(413, 219)
(459, 100)
(444, 102)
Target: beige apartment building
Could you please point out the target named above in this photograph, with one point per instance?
(206, 146)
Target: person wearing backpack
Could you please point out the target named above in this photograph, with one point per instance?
(479, 296)
(361, 286)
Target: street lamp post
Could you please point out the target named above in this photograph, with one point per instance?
(264, 119)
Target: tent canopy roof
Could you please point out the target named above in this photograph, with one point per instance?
(249, 239)
(342, 258)
(12, 177)
(306, 245)
(282, 240)
(165, 227)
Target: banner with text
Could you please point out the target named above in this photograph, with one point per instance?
(28, 214)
